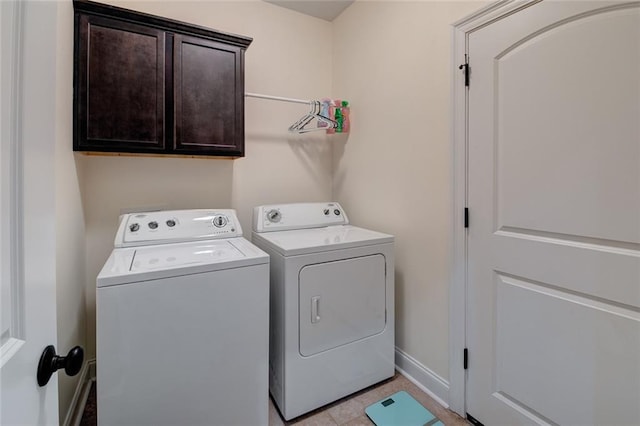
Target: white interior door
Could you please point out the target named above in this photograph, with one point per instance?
(553, 319)
(27, 221)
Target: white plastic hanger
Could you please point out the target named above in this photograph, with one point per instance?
(300, 126)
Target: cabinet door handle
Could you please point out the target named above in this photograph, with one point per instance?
(315, 309)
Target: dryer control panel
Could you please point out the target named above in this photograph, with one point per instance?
(171, 226)
(282, 217)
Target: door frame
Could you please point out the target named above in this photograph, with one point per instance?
(459, 136)
(13, 183)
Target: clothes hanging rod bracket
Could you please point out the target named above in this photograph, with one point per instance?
(277, 98)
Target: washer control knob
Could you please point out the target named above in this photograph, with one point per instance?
(274, 216)
(326, 212)
(336, 212)
(171, 223)
(219, 221)
(153, 225)
(134, 227)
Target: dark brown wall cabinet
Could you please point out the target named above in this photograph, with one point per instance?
(145, 84)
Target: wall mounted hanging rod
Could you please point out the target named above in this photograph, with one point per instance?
(277, 98)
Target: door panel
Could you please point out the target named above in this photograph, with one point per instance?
(548, 338)
(553, 324)
(552, 173)
(341, 302)
(28, 260)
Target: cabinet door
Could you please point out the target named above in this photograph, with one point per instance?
(119, 86)
(208, 96)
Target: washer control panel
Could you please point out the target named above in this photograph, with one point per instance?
(282, 217)
(170, 226)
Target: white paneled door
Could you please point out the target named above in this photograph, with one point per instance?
(553, 319)
(27, 214)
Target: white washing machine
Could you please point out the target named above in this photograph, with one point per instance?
(332, 304)
(182, 323)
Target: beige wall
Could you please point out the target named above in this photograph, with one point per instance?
(291, 57)
(392, 62)
(70, 230)
(390, 59)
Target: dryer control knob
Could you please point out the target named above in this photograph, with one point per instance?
(134, 227)
(274, 216)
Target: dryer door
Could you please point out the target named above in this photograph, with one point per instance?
(341, 302)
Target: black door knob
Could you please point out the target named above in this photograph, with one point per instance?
(50, 363)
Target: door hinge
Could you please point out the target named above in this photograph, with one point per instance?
(466, 217)
(465, 358)
(473, 420)
(465, 68)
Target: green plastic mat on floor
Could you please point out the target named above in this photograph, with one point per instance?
(400, 409)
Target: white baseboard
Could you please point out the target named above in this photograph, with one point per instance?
(87, 375)
(428, 381)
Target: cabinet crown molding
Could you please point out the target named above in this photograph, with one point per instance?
(100, 9)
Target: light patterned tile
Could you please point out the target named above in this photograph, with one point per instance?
(455, 420)
(360, 421)
(382, 390)
(350, 411)
(274, 416)
(448, 417)
(372, 396)
(346, 411)
(320, 419)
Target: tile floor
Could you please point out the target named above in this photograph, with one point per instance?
(349, 411)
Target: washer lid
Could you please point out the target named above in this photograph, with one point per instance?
(127, 265)
(304, 241)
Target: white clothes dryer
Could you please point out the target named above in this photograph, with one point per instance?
(182, 323)
(331, 304)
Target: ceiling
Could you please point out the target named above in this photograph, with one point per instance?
(323, 9)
